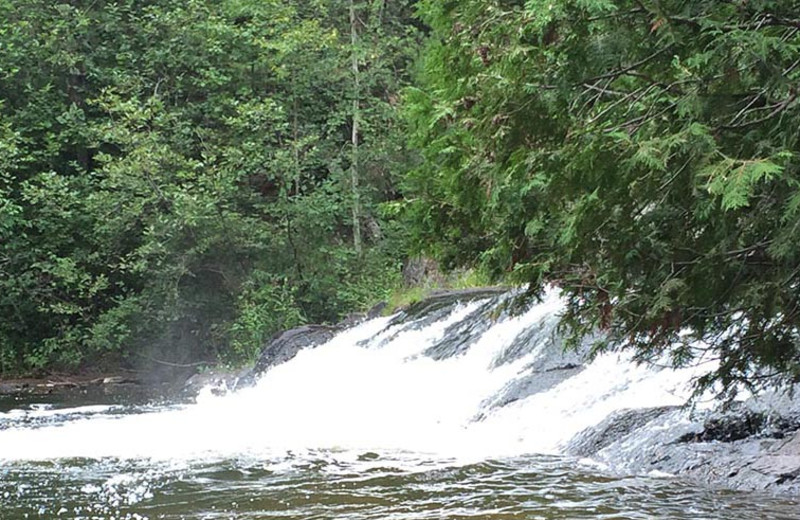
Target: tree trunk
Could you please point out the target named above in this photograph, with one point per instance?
(354, 135)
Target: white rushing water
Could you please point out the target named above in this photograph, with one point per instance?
(372, 389)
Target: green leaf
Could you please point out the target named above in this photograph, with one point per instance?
(735, 181)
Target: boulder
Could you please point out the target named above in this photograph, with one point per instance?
(11, 388)
(376, 310)
(737, 448)
(219, 380)
(285, 345)
(783, 463)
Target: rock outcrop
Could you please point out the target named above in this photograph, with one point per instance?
(285, 345)
(745, 449)
(741, 449)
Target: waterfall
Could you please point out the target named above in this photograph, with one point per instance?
(469, 381)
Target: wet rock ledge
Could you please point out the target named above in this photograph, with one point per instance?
(740, 448)
(285, 345)
(748, 450)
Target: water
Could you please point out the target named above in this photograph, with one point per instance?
(322, 486)
(387, 421)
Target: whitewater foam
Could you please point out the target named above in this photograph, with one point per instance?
(372, 388)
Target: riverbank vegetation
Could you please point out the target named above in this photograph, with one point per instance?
(179, 180)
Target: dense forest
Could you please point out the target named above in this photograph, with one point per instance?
(179, 180)
(183, 179)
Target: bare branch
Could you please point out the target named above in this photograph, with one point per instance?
(621, 72)
(778, 109)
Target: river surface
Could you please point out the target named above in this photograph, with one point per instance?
(468, 415)
(346, 483)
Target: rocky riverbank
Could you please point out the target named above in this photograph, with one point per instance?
(753, 446)
(67, 383)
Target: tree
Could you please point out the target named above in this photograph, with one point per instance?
(173, 175)
(354, 131)
(639, 155)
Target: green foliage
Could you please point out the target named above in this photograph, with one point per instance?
(640, 155)
(735, 180)
(404, 296)
(172, 177)
(265, 306)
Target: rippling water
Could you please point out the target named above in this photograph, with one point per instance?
(310, 486)
(347, 484)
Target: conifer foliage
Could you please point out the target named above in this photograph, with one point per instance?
(641, 155)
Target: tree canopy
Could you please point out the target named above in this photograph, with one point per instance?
(641, 155)
(175, 177)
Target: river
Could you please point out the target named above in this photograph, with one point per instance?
(386, 421)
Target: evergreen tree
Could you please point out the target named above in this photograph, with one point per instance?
(640, 155)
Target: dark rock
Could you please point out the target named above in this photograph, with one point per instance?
(530, 384)
(747, 464)
(438, 306)
(285, 345)
(539, 333)
(376, 310)
(351, 320)
(613, 428)
(553, 365)
(708, 449)
(566, 366)
(430, 307)
(460, 336)
(783, 462)
(740, 424)
(10, 388)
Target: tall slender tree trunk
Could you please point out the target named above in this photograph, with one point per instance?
(75, 92)
(295, 138)
(354, 135)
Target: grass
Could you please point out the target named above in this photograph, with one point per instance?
(404, 295)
